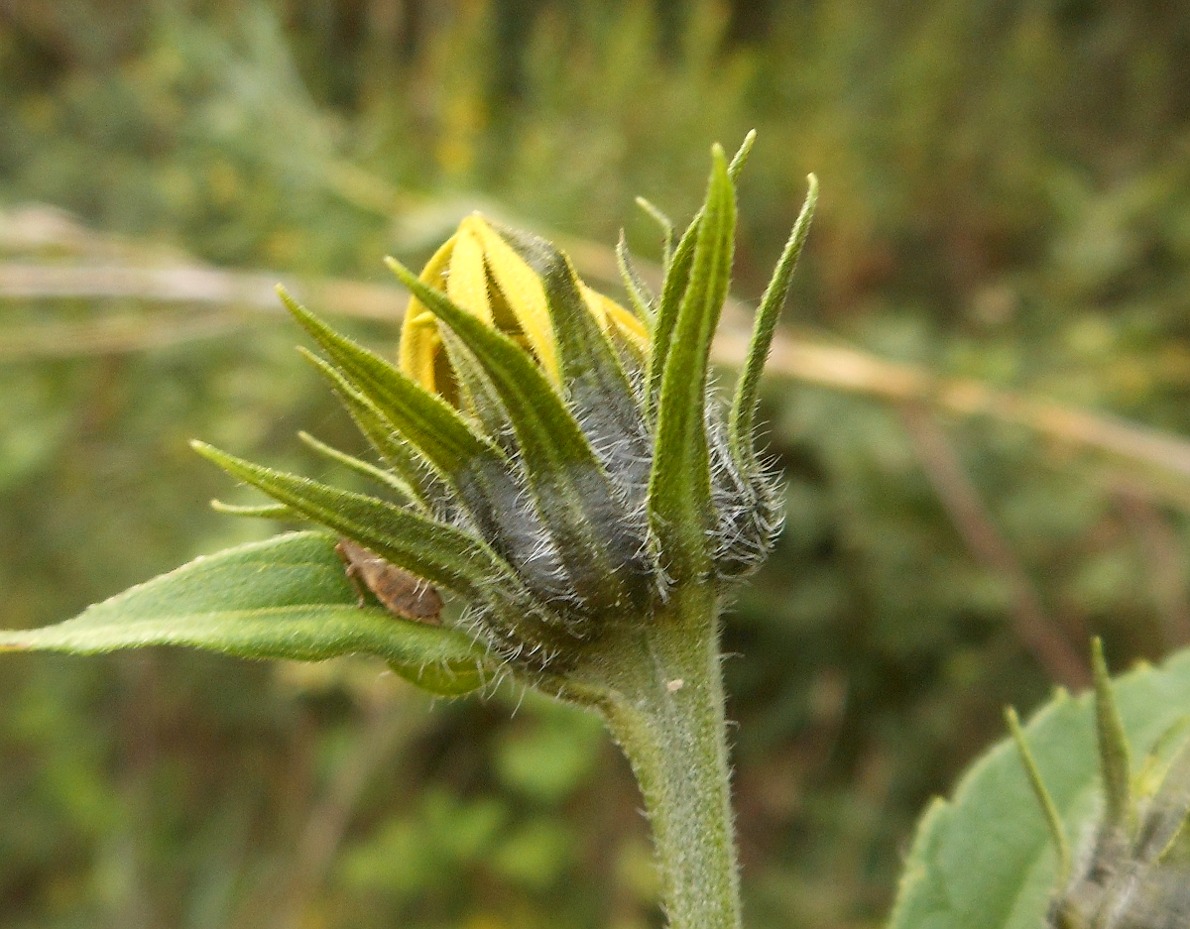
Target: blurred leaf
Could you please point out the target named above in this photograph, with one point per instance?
(536, 853)
(549, 760)
(984, 860)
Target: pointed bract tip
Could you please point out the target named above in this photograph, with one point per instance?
(1040, 793)
(1114, 752)
(291, 304)
(1100, 674)
(208, 452)
(1097, 658)
(402, 272)
(741, 155)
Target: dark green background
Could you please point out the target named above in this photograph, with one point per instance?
(1006, 197)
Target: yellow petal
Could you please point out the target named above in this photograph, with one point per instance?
(482, 274)
(611, 314)
(523, 292)
(467, 282)
(420, 342)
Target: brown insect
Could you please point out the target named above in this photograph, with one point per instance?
(398, 591)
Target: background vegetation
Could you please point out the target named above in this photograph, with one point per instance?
(1006, 209)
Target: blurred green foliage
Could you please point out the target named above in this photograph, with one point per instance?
(1006, 196)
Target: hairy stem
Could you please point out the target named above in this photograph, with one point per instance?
(663, 700)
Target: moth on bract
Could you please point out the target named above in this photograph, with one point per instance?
(1135, 873)
(398, 591)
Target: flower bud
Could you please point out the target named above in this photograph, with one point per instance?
(560, 462)
(565, 511)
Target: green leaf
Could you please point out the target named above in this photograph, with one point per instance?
(477, 394)
(570, 489)
(677, 277)
(984, 860)
(260, 511)
(439, 553)
(587, 356)
(287, 597)
(470, 464)
(664, 223)
(680, 482)
(743, 408)
(1053, 822)
(419, 474)
(1114, 758)
(740, 158)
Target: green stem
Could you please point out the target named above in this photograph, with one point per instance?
(663, 700)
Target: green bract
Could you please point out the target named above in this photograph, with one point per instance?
(556, 463)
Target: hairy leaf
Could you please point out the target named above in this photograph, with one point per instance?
(595, 384)
(287, 597)
(386, 479)
(642, 300)
(441, 554)
(406, 462)
(428, 422)
(677, 279)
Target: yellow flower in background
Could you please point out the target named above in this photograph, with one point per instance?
(481, 273)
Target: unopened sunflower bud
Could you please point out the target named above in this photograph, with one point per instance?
(561, 462)
(501, 328)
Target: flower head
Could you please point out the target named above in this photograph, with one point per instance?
(559, 463)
